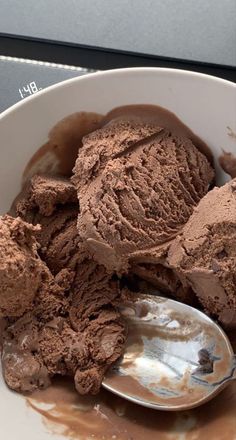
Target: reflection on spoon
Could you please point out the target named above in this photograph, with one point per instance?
(176, 357)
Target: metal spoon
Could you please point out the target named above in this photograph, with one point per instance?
(176, 357)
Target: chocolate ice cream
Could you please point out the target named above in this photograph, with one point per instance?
(43, 194)
(137, 185)
(204, 254)
(164, 280)
(74, 328)
(21, 270)
(135, 207)
(61, 243)
(22, 365)
(52, 203)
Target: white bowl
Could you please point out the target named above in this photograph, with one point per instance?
(204, 103)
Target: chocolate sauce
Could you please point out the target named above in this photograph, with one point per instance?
(58, 155)
(109, 417)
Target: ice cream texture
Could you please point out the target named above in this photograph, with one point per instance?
(204, 254)
(73, 327)
(21, 270)
(139, 207)
(137, 184)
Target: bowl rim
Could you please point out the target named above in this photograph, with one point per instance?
(121, 72)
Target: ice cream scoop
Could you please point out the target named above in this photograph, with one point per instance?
(137, 184)
(176, 357)
(203, 255)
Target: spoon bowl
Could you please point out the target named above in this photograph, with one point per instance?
(176, 357)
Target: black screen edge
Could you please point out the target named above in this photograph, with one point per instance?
(99, 58)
